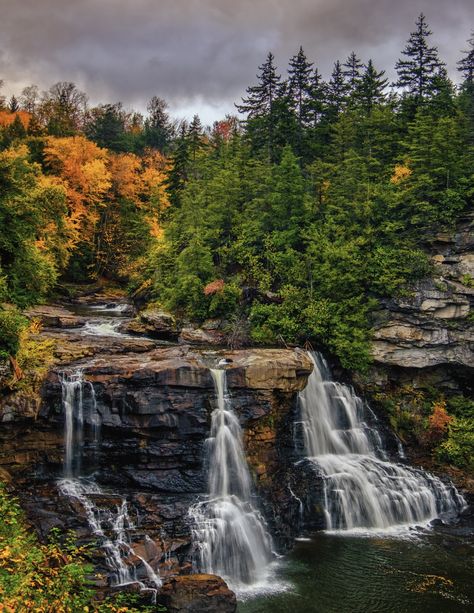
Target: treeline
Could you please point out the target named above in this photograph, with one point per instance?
(290, 224)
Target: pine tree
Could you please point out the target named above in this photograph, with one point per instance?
(195, 136)
(262, 96)
(418, 72)
(259, 106)
(13, 105)
(466, 96)
(180, 161)
(352, 71)
(158, 128)
(337, 91)
(299, 86)
(371, 88)
(466, 64)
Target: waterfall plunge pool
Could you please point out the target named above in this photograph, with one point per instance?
(421, 572)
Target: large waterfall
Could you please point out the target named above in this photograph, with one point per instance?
(229, 532)
(362, 489)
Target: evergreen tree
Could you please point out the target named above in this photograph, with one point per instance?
(352, 71)
(337, 92)
(422, 65)
(159, 129)
(466, 63)
(261, 97)
(259, 106)
(466, 96)
(180, 160)
(371, 88)
(300, 86)
(195, 137)
(13, 104)
(106, 126)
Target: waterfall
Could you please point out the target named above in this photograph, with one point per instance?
(79, 405)
(229, 532)
(362, 489)
(110, 526)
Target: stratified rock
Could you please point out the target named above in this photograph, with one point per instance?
(197, 594)
(55, 316)
(433, 325)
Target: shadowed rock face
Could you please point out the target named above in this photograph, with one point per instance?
(433, 325)
(197, 594)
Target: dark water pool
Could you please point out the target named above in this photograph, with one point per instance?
(429, 573)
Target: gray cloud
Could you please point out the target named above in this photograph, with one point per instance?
(201, 54)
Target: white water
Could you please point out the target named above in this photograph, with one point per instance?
(79, 405)
(110, 526)
(362, 489)
(103, 327)
(229, 532)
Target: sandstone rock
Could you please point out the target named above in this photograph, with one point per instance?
(55, 316)
(200, 336)
(197, 594)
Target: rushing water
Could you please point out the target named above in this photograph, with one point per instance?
(229, 532)
(110, 525)
(362, 489)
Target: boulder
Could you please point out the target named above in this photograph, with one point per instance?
(201, 336)
(152, 322)
(197, 594)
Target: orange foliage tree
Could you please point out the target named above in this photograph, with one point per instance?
(81, 167)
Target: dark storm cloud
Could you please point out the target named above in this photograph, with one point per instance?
(205, 52)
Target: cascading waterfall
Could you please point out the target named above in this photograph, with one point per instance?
(109, 526)
(229, 532)
(362, 489)
(75, 391)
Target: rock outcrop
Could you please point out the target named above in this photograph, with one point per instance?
(433, 324)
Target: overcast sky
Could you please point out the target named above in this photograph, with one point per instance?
(200, 55)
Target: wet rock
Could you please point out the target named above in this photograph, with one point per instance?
(197, 594)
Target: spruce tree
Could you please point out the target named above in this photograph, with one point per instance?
(418, 71)
(466, 63)
(371, 88)
(299, 86)
(13, 105)
(352, 72)
(158, 127)
(337, 91)
(259, 106)
(180, 161)
(261, 97)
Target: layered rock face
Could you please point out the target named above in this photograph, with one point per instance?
(433, 325)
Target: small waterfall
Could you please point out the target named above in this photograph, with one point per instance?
(108, 525)
(362, 489)
(75, 392)
(229, 532)
(111, 527)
